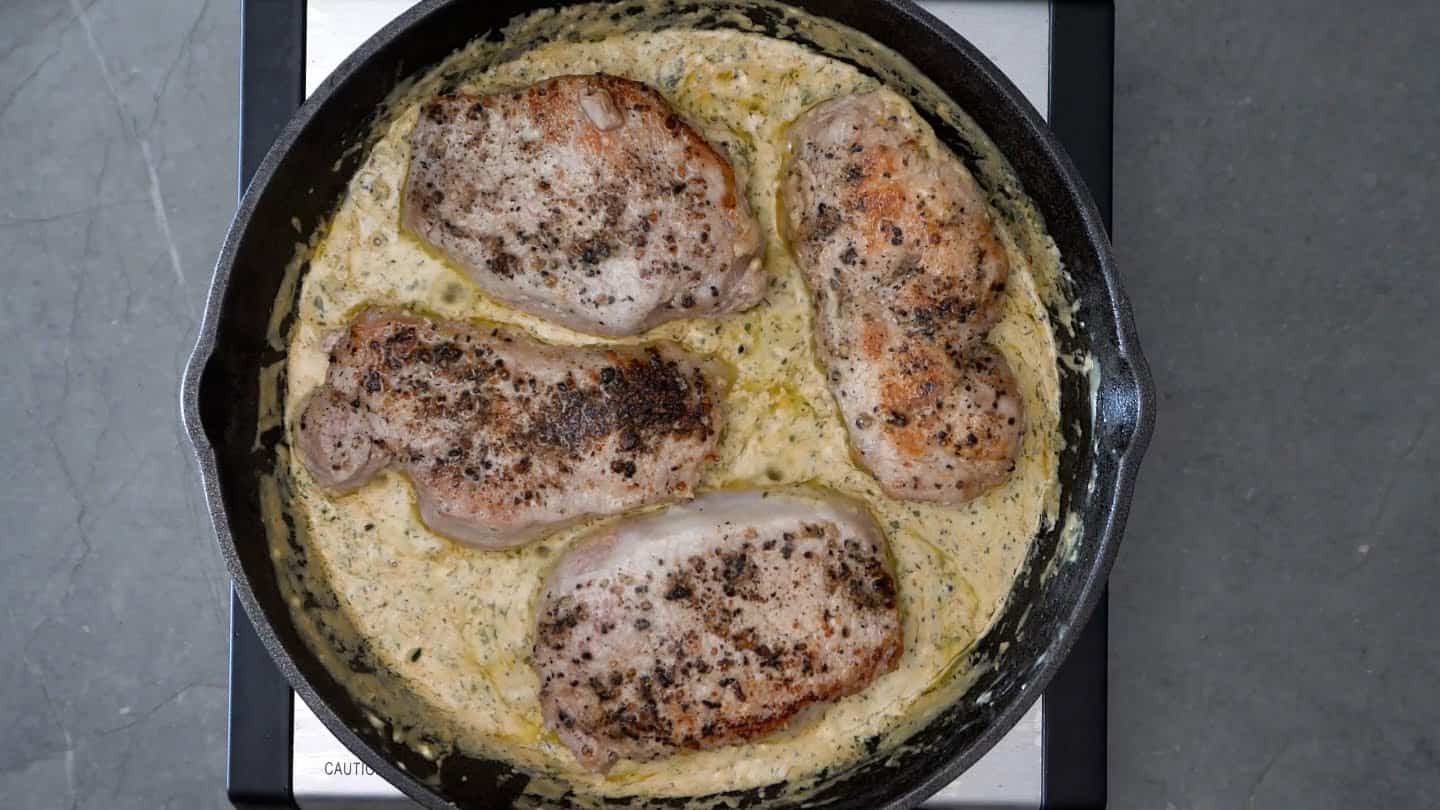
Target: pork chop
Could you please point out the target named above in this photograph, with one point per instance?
(906, 274)
(585, 200)
(505, 438)
(713, 622)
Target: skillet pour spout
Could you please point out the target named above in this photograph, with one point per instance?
(1107, 401)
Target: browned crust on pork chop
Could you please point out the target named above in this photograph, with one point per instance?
(906, 272)
(506, 438)
(713, 622)
(585, 200)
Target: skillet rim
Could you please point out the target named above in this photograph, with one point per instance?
(1129, 387)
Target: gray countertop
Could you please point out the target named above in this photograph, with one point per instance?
(1274, 640)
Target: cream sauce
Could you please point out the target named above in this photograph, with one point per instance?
(449, 627)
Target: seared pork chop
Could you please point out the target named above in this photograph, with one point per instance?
(585, 200)
(906, 273)
(713, 622)
(506, 438)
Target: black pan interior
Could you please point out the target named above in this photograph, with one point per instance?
(301, 179)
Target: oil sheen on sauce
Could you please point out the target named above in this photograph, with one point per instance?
(450, 627)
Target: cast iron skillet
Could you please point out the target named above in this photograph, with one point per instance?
(304, 176)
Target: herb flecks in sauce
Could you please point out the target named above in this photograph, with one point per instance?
(455, 624)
